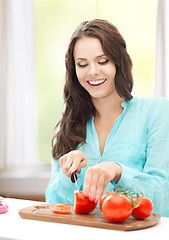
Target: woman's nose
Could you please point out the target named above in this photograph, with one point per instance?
(93, 69)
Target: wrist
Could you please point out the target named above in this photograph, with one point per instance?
(118, 172)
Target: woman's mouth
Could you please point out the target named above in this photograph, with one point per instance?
(96, 82)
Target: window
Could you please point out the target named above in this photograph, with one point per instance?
(55, 23)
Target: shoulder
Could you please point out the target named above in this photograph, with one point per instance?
(150, 100)
(154, 110)
(150, 104)
(150, 110)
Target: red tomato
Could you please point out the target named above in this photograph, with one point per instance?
(144, 210)
(116, 207)
(82, 204)
(103, 198)
(61, 208)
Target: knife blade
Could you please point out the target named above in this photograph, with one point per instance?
(73, 178)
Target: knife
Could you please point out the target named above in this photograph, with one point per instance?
(73, 178)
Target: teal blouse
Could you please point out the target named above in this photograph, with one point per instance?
(138, 142)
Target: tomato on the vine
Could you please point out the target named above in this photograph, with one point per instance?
(116, 207)
(103, 198)
(82, 204)
(145, 208)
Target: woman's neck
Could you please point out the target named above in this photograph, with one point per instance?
(108, 107)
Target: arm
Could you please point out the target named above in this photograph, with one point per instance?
(60, 188)
(153, 181)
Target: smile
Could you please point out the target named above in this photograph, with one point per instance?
(96, 82)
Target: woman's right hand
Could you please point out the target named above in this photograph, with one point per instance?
(72, 161)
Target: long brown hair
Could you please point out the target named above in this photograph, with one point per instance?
(71, 129)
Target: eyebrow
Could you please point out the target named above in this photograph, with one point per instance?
(86, 59)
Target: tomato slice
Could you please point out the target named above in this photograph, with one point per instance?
(61, 208)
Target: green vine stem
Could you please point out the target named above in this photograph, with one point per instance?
(130, 196)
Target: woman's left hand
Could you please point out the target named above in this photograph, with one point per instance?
(97, 177)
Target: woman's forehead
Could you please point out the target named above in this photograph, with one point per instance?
(87, 47)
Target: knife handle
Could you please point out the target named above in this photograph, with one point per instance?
(73, 177)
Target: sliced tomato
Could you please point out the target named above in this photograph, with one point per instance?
(61, 208)
(82, 204)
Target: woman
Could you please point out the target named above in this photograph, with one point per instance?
(113, 138)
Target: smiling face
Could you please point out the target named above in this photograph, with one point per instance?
(94, 70)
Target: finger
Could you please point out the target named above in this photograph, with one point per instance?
(87, 181)
(78, 163)
(101, 186)
(83, 163)
(68, 164)
(93, 186)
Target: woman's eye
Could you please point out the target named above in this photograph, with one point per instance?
(82, 65)
(104, 62)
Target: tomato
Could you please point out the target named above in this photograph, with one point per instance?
(116, 207)
(82, 204)
(103, 198)
(145, 208)
(61, 208)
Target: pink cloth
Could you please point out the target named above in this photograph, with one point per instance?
(3, 208)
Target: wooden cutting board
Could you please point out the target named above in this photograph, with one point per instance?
(94, 219)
